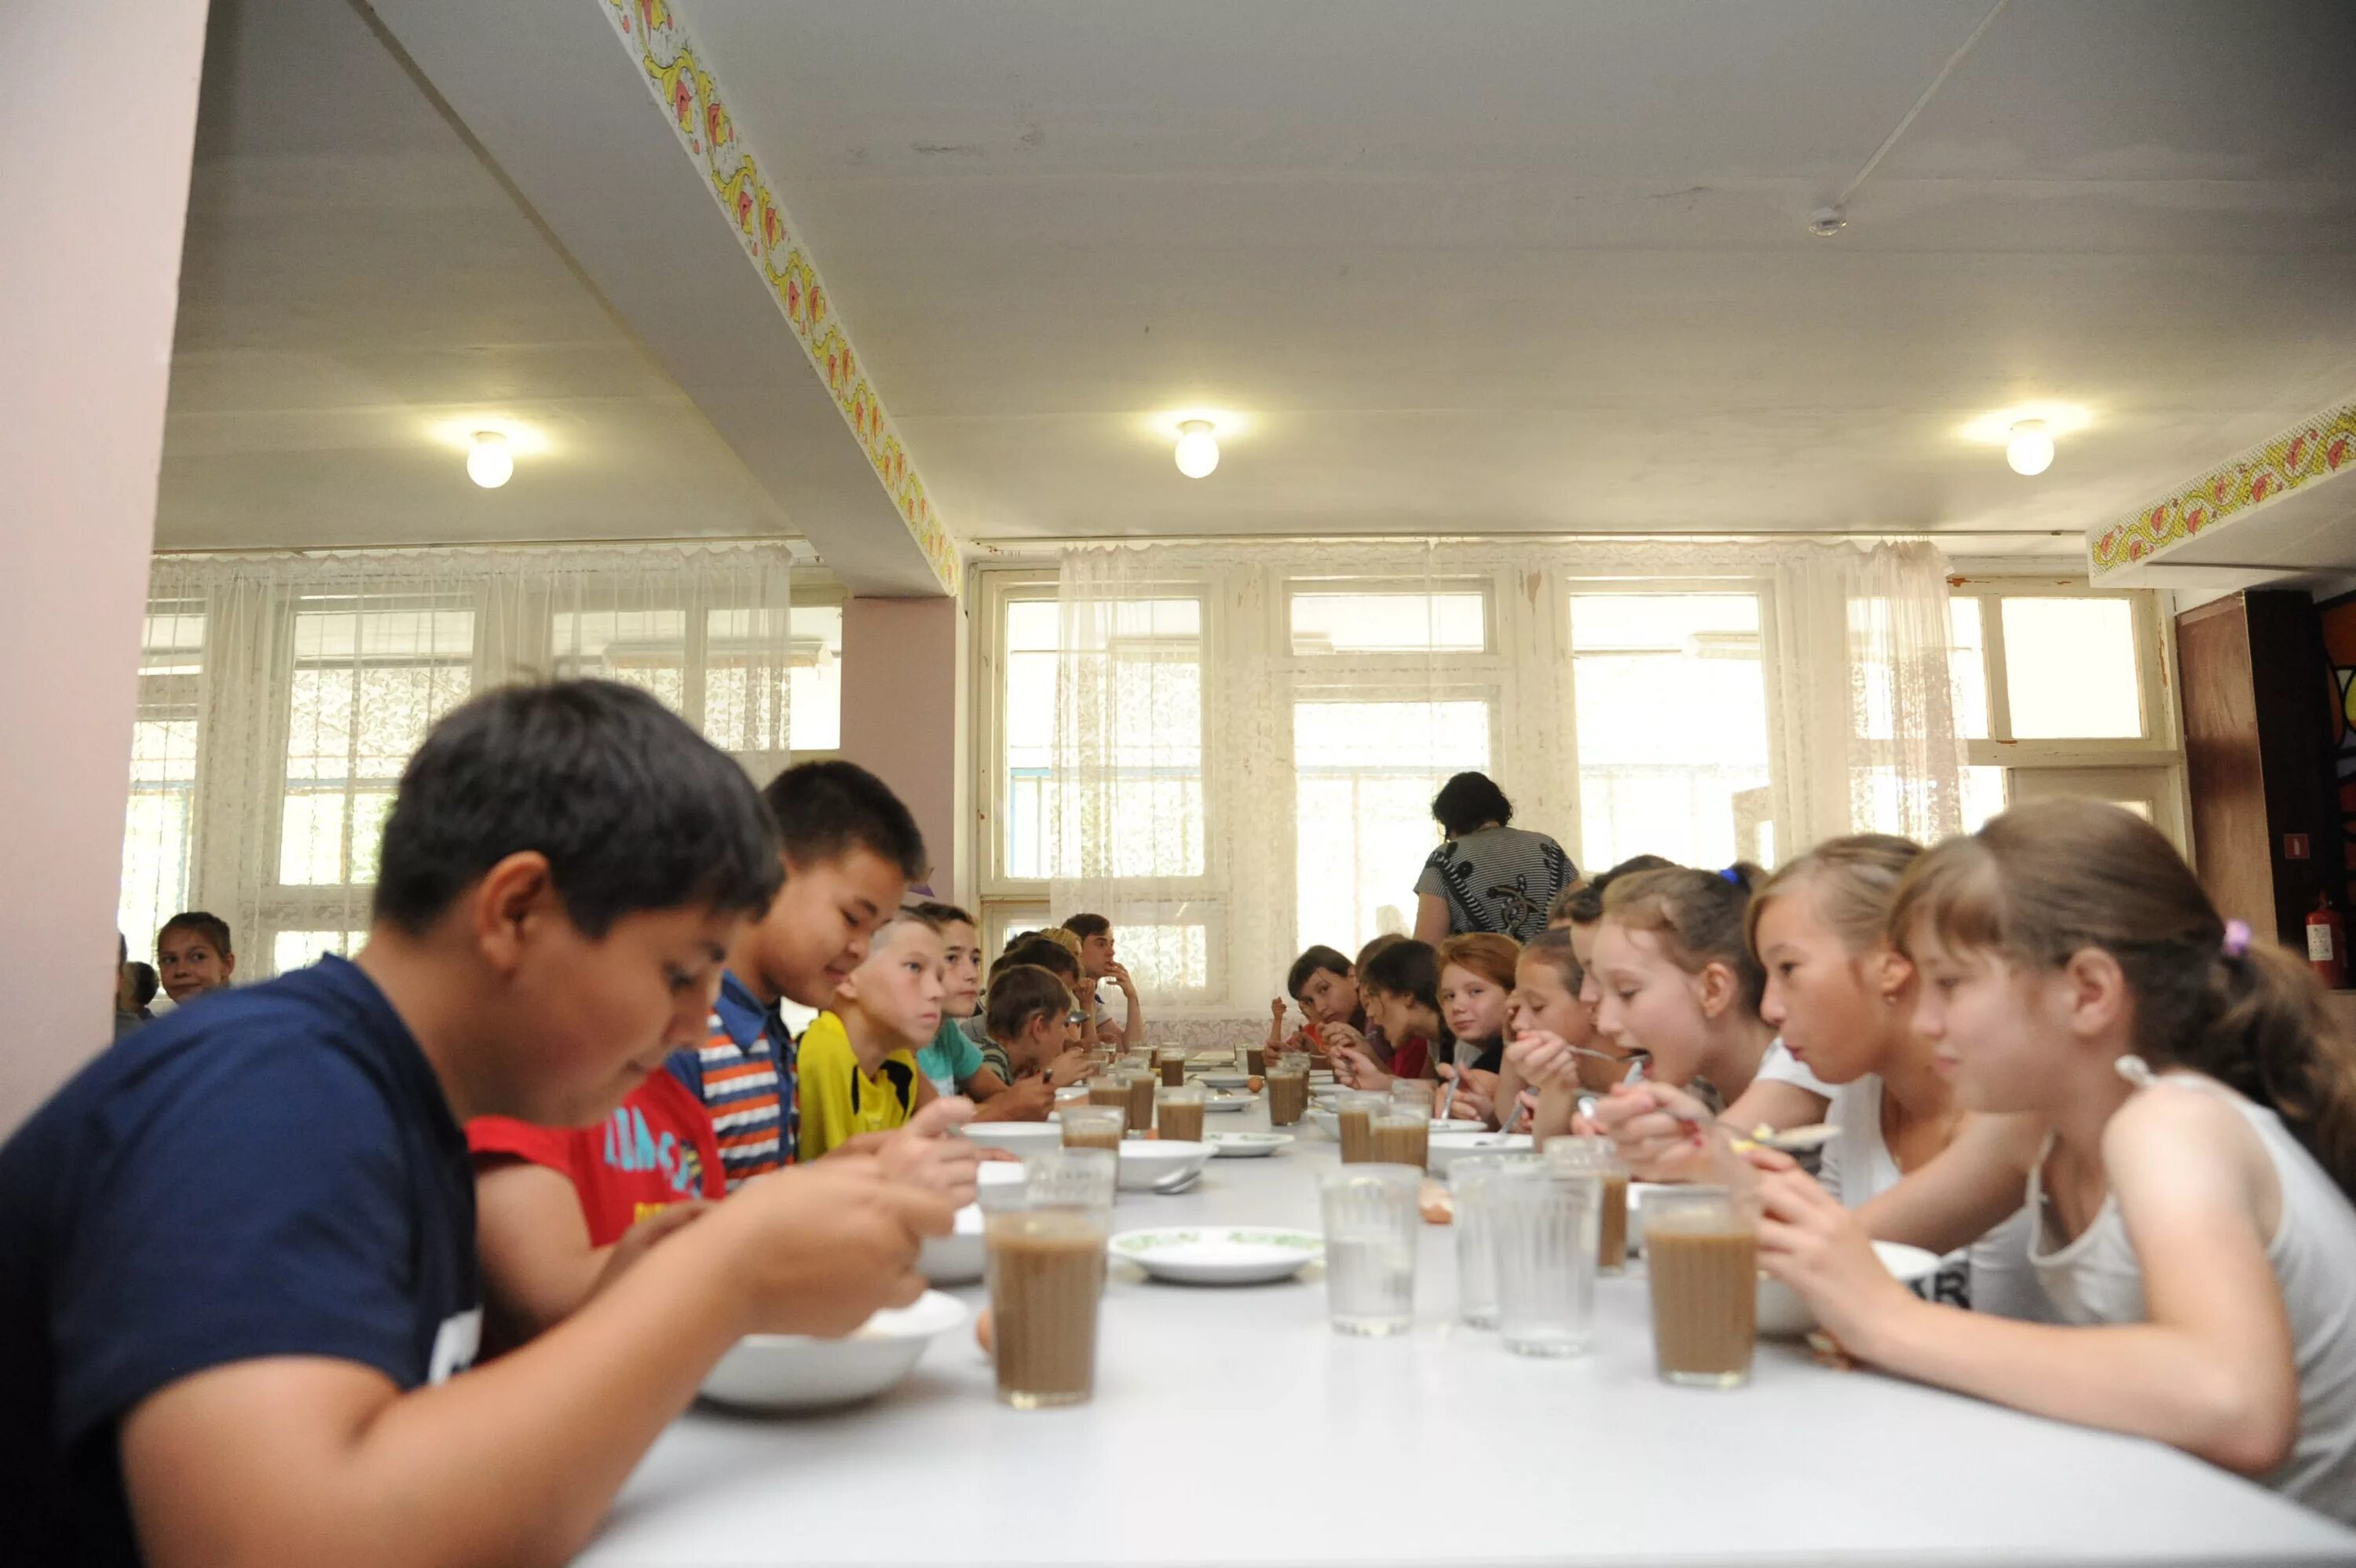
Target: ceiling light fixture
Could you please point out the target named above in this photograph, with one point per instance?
(489, 463)
(2030, 449)
(1198, 449)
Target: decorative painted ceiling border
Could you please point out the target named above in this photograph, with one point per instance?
(655, 34)
(2315, 448)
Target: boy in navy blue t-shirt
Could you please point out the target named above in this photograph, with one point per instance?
(238, 1253)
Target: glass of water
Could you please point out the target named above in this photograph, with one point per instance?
(1370, 1235)
(1468, 1182)
(1543, 1226)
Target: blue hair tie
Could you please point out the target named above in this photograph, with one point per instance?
(1732, 875)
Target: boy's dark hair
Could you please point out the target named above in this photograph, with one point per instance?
(1039, 953)
(633, 809)
(1318, 957)
(1087, 925)
(941, 914)
(1585, 907)
(1469, 801)
(143, 983)
(1376, 945)
(825, 810)
(211, 927)
(1020, 993)
(1406, 968)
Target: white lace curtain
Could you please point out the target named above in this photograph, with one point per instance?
(282, 694)
(1246, 738)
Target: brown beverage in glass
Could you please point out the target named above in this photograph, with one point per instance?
(1401, 1140)
(1256, 1060)
(1141, 1102)
(1287, 1095)
(1355, 1127)
(1045, 1266)
(1174, 1071)
(1097, 1128)
(1182, 1119)
(1705, 1281)
(1611, 1235)
(1108, 1090)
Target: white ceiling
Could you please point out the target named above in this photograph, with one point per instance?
(360, 290)
(1538, 265)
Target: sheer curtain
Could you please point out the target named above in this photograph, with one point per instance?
(1246, 738)
(281, 694)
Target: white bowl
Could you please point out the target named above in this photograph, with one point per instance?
(1226, 1080)
(1783, 1315)
(956, 1258)
(1327, 1122)
(1145, 1162)
(1447, 1148)
(1219, 1255)
(1221, 1101)
(1245, 1146)
(795, 1371)
(1021, 1137)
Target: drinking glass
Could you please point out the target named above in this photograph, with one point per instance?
(1701, 1253)
(1353, 1115)
(1172, 1059)
(1288, 1093)
(1413, 1093)
(1542, 1228)
(1071, 1178)
(1370, 1235)
(1400, 1135)
(1600, 1158)
(1470, 1179)
(1094, 1126)
(1180, 1113)
(1045, 1265)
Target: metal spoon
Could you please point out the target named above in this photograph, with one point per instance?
(1171, 1185)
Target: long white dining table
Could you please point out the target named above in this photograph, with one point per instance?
(1234, 1426)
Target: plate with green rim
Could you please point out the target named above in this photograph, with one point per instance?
(1245, 1146)
(1219, 1255)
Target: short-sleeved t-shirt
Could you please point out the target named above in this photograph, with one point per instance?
(275, 1173)
(839, 1101)
(655, 1150)
(1497, 879)
(951, 1059)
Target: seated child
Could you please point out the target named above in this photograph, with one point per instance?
(1034, 1031)
(1099, 963)
(1325, 986)
(1476, 993)
(1040, 953)
(238, 1251)
(858, 1069)
(1399, 985)
(193, 956)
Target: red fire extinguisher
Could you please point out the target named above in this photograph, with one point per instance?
(2326, 944)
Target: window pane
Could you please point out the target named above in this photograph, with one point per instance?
(817, 678)
(2070, 669)
(748, 657)
(1984, 796)
(645, 648)
(311, 839)
(1133, 670)
(1163, 959)
(301, 949)
(1672, 726)
(1365, 775)
(1388, 623)
(159, 817)
(1968, 668)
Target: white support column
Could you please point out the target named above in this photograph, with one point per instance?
(96, 126)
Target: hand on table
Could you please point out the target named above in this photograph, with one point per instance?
(820, 1248)
(1067, 1069)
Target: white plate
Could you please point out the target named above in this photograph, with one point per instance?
(1221, 1102)
(1446, 1148)
(956, 1258)
(1219, 1255)
(1226, 1080)
(1245, 1146)
(1021, 1137)
(1145, 1162)
(1783, 1315)
(794, 1372)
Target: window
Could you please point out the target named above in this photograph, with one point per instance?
(300, 949)
(1138, 680)
(815, 677)
(645, 648)
(1670, 712)
(159, 829)
(366, 686)
(1365, 773)
(1326, 622)
(2054, 695)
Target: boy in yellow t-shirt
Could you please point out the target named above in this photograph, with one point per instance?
(858, 1070)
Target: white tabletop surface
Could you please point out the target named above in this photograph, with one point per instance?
(1233, 1425)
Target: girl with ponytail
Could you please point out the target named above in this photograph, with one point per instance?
(2180, 1115)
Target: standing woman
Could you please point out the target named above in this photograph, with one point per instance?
(1486, 876)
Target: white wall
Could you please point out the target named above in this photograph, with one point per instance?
(97, 111)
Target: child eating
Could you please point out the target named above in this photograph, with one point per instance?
(858, 1067)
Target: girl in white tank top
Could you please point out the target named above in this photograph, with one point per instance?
(2181, 1114)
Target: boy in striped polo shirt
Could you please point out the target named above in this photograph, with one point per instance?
(850, 850)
